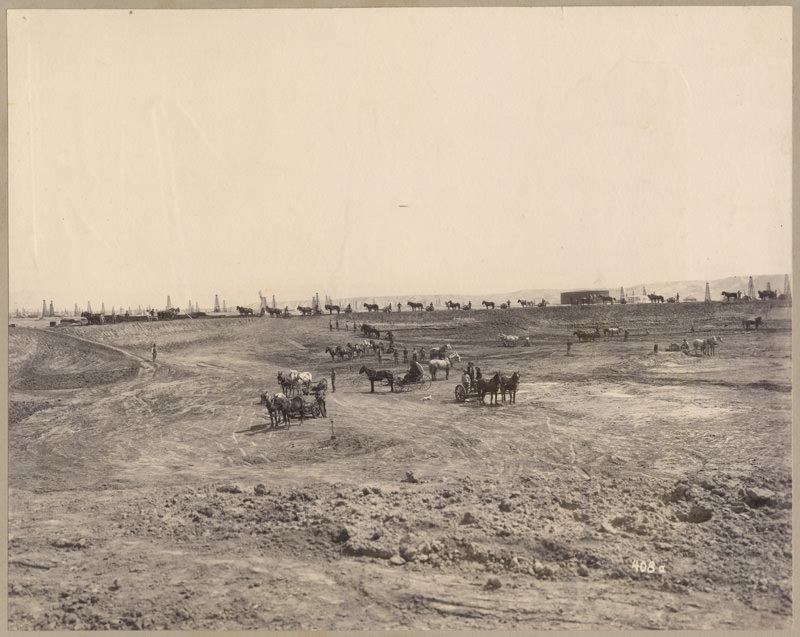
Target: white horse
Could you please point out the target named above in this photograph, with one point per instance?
(711, 345)
(438, 364)
(302, 382)
(509, 340)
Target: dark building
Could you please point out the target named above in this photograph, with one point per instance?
(574, 298)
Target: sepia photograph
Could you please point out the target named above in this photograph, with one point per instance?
(422, 318)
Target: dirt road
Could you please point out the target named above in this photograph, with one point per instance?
(623, 489)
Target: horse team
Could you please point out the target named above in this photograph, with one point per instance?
(281, 406)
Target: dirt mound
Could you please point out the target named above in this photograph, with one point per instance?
(49, 360)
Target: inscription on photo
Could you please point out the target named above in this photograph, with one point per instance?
(645, 566)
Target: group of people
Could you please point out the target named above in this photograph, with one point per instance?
(473, 372)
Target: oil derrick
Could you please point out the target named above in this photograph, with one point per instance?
(769, 287)
(169, 303)
(216, 302)
(76, 313)
(644, 291)
(787, 289)
(89, 306)
(621, 293)
(274, 306)
(224, 309)
(44, 308)
(102, 307)
(751, 289)
(708, 294)
(52, 313)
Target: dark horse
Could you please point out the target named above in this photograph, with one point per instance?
(278, 408)
(491, 386)
(750, 323)
(655, 298)
(730, 295)
(415, 307)
(371, 307)
(382, 374)
(509, 384)
(488, 304)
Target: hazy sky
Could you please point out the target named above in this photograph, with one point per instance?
(393, 151)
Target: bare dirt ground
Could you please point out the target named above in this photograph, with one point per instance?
(624, 489)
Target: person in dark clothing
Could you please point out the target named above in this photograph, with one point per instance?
(320, 398)
(333, 380)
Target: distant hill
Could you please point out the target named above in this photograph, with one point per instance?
(697, 289)
(686, 289)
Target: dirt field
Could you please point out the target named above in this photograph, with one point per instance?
(624, 489)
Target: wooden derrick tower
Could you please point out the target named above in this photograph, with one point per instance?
(787, 288)
(216, 302)
(751, 289)
(708, 293)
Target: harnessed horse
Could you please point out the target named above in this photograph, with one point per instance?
(509, 384)
(373, 375)
(491, 386)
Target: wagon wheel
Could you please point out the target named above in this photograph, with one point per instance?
(461, 393)
(316, 412)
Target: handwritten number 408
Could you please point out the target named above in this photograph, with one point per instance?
(647, 567)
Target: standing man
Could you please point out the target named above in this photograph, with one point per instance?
(333, 380)
(320, 398)
(337, 324)
(330, 326)
(396, 355)
(405, 354)
(154, 351)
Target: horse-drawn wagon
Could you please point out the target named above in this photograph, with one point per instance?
(282, 409)
(466, 389)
